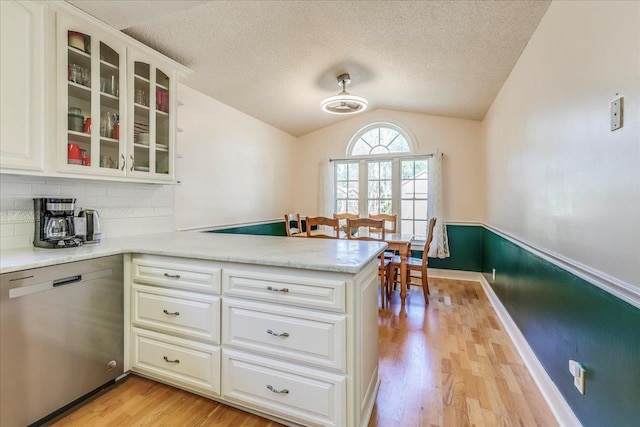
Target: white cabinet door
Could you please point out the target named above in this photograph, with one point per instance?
(91, 87)
(153, 120)
(22, 85)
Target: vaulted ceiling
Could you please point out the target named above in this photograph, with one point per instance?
(276, 60)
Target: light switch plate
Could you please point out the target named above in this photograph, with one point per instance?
(617, 111)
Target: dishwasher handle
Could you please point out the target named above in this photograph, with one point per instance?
(67, 280)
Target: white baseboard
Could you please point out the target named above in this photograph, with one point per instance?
(559, 407)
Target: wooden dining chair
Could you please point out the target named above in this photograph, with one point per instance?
(390, 222)
(414, 264)
(343, 217)
(292, 218)
(383, 267)
(320, 221)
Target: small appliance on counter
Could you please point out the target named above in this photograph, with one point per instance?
(54, 223)
(90, 219)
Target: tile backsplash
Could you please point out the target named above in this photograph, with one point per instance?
(125, 209)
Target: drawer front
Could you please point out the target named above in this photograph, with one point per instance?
(177, 361)
(298, 335)
(176, 273)
(177, 312)
(284, 289)
(291, 392)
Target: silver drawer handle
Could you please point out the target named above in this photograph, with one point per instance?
(175, 313)
(275, 334)
(283, 391)
(269, 288)
(166, 359)
(172, 276)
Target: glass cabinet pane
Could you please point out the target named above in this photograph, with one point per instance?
(109, 108)
(142, 118)
(162, 123)
(79, 98)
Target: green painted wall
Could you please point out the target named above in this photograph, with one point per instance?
(465, 247)
(565, 317)
(266, 229)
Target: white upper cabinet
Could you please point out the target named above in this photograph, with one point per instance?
(152, 109)
(22, 77)
(91, 95)
(82, 99)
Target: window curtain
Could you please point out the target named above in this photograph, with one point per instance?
(326, 189)
(440, 244)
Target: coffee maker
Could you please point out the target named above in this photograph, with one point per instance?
(54, 227)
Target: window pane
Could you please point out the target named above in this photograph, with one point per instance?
(421, 169)
(341, 206)
(371, 137)
(421, 188)
(386, 207)
(420, 228)
(373, 170)
(407, 227)
(341, 190)
(399, 145)
(352, 206)
(353, 190)
(374, 189)
(407, 169)
(374, 207)
(341, 171)
(379, 149)
(406, 209)
(385, 170)
(421, 209)
(406, 191)
(385, 189)
(353, 171)
(360, 148)
(387, 135)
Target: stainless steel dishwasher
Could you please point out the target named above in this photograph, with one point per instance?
(61, 336)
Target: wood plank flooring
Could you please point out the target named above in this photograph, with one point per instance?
(451, 364)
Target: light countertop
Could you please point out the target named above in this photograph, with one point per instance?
(344, 256)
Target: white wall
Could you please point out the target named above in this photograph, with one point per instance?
(233, 168)
(460, 141)
(557, 176)
(125, 209)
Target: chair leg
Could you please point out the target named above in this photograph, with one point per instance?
(425, 287)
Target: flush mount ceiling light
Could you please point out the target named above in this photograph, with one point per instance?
(344, 103)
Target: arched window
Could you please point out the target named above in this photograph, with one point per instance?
(379, 139)
(382, 176)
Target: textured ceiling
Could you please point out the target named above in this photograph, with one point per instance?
(276, 60)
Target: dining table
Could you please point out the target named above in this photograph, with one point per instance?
(397, 242)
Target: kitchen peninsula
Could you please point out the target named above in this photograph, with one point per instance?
(286, 328)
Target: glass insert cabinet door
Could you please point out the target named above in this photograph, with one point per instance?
(92, 78)
(151, 128)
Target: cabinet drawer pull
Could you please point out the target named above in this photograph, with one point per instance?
(283, 391)
(275, 334)
(175, 313)
(124, 162)
(172, 276)
(269, 288)
(166, 359)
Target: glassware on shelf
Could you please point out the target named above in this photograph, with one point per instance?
(107, 122)
(141, 97)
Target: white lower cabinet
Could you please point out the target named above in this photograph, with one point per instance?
(182, 362)
(300, 346)
(299, 393)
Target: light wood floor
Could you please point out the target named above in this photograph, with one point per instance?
(451, 364)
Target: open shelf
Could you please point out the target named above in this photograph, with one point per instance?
(111, 140)
(79, 91)
(108, 65)
(144, 79)
(79, 136)
(162, 113)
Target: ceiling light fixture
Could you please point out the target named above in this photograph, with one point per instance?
(344, 103)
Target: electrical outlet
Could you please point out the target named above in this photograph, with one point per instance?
(577, 370)
(493, 274)
(617, 112)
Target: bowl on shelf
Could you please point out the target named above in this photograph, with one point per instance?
(76, 122)
(142, 138)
